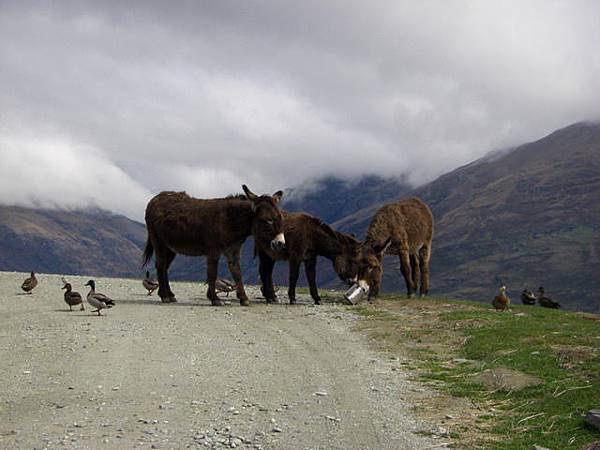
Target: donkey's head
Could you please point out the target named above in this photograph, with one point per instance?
(267, 223)
(370, 263)
(346, 262)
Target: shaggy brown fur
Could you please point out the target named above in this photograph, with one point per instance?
(404, 228)
(306, 238)
(178, 223)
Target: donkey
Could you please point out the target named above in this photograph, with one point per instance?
(306, 238)
(178, 223)
(403, 228)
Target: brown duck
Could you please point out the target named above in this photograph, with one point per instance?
(72, 298)
(501, 301)
(546, 302)
(528, 297)
(29, 283)
(150, 284)
(223, 285)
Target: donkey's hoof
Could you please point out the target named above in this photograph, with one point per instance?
(292, 301)
(272, 301)
(413, 295)
(166, 299)
(317, 302)
(217, 302)
(244, 302)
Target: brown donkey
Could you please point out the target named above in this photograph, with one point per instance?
(178, 223)
(404, 228)
(306, 238)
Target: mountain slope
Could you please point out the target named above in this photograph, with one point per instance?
(333, 198)
(530, 217)
(70, 242)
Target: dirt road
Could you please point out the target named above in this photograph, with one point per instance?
(187, 375)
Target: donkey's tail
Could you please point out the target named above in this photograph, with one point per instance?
(148, 251)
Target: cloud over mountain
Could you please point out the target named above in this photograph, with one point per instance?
(106, 103)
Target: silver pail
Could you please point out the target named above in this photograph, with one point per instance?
(354, 294)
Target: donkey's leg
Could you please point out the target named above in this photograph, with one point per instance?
(374, 290)
(269, 272)
(262, 265)
(407, 272)
(265, 269)
(163, 259)
(212, 266)
(293, 279)
(170, 256)
(425, 256)
(310, 266)
(233, 263)
(415, 267)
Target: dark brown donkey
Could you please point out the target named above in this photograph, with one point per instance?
(178, 223)
(404, 228)
(306, 238)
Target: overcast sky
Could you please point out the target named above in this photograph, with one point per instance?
(106, 104)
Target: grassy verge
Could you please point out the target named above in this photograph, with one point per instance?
(451, 344)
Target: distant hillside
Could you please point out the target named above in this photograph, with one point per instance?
(69, 242)
(530, 217)
(332, 198)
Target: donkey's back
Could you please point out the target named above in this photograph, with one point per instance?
(193, 226)
(408, 221)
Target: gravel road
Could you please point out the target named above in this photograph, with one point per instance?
(188, 375)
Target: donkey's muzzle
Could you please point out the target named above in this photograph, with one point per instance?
(279, 242)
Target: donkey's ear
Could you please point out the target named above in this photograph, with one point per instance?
(251, 195)
(277, 196)
(381, 248)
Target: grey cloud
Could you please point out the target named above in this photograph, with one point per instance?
(203, 96)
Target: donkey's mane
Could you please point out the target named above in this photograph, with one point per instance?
(236, 197)
(330, 231)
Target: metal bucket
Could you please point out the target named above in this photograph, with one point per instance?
(354, 294)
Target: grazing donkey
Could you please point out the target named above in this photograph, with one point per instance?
(178, 223)
(404, 228)
(306, 238)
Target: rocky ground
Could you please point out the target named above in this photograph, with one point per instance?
(188, 375)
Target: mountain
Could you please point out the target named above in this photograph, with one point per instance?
(332, 198)
(95, 242)
(529, 217)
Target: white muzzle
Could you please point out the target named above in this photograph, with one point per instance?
(279, 242)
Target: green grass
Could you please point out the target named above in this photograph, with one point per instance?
(562, 349)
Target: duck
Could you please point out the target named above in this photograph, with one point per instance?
(546, 302)
(223, 285)
(528, 297)
(96, 299)
(501, 301)
(72, 298)
(29, 283)
(149, 283)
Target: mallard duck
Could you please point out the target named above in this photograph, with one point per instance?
(501, 301)
(528, 297)
(546, 302)
(29, 283)
(72, 298)
(223, 285)
(96, 299)
(149, 283)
